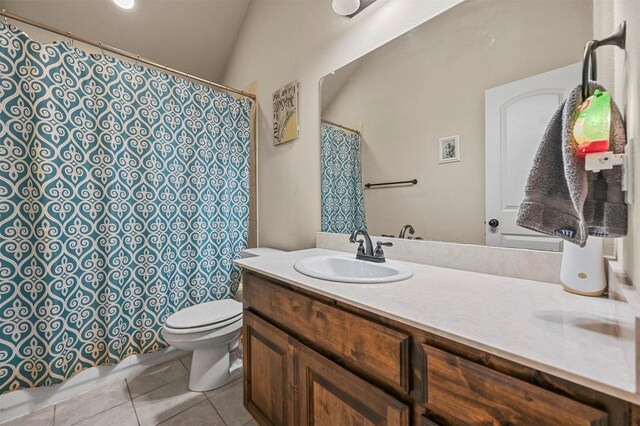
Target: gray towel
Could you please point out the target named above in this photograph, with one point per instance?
(561, 197)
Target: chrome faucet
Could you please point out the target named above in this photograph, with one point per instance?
(404, 230)
(365, 247)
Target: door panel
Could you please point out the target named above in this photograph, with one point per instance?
(516, 116)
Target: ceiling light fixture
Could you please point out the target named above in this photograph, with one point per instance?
(345, 7)
(124, 4)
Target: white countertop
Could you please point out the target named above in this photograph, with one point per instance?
(588, 341)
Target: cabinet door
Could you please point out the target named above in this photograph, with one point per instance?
(329, 395)
(267, 372)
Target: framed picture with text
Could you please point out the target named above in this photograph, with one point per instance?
(285, 113)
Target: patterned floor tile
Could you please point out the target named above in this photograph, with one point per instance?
(88, 404)
(155, 377)
(200, 414)
(165, 402)
(186, 360)
(161, 396)
(121, 415)
(41, 417)
(229, 404)
(237, 382)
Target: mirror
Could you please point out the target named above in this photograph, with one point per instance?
(457, 108)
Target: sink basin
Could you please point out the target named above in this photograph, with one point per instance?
(348, 269)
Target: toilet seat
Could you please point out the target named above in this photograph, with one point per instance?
(205, 317)
(210, 327)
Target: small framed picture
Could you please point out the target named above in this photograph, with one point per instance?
(449, 149)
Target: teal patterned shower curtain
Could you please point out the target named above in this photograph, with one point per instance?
(342, 197)
(124, 196)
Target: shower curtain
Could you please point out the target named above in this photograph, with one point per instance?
(342, 197)
(124, 196)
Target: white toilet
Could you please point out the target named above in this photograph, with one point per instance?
(212, 331)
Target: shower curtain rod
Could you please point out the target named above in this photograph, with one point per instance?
(340, 125)
(120, 52)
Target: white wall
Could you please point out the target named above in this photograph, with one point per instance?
(427, 85)
(282, 40)
(620, 72)
(630, 89)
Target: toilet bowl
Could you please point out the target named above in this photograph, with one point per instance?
(212, 331)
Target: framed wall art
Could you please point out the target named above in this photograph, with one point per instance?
(285, 113)
(449, 149)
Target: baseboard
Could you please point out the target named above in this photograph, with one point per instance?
(18, 403)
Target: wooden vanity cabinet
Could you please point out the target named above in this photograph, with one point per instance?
(364, 345)
(311, 360)
(286, 383)
(268, 370)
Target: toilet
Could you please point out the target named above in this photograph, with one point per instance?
(212, 331)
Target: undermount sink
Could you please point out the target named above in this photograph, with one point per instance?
(348, 269)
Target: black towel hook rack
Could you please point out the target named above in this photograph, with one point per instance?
(589, 62)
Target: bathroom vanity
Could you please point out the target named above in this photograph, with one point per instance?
(443, 347)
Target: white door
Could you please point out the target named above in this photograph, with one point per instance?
(516, 116)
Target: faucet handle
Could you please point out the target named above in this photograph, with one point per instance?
(360, 246)
(379, 252)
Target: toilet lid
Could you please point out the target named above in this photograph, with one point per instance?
(205, 314)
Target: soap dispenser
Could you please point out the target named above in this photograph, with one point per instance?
(582, 270)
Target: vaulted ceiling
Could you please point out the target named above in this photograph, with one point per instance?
(196, 36)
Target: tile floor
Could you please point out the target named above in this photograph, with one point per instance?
(157, 395)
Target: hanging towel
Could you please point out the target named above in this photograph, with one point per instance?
(561, 197)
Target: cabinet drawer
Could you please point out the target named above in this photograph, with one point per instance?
(368, 346)
(474, 394)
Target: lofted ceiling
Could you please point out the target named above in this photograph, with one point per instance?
(196, 36)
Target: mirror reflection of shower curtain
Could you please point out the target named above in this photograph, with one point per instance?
(342, 196)
(124, 197)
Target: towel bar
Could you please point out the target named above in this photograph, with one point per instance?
(589, 62)
(412, 182)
